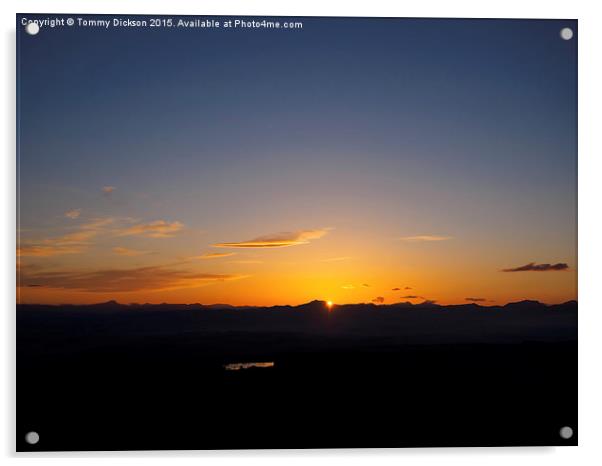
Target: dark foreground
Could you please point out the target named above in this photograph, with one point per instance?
(112, 377)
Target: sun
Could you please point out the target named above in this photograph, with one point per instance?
(329, 305)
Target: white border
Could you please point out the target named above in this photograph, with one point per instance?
(590, 198)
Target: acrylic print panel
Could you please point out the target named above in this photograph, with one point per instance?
(242, 232)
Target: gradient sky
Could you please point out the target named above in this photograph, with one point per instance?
(340, 162)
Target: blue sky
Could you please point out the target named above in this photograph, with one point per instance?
(369, 129)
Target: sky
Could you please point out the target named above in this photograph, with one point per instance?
(352, 160)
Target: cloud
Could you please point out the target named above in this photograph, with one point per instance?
(73, 213)
(365, 285)
(129, 252)
(411, 296)
(245, 262)
(533, 267)
(424, 238)
(71, 243)
(408, 288)
(279, 240)
(97, 223)
(475, 300)
(348, 287)
(378, 300)
(79, 240)
(395, 289)
(47, 250)
(214, 255)
(107, 190)
(153, 278)
(337, 259)
(429, 301)
(156, 229)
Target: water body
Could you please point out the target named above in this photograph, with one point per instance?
(236, 366)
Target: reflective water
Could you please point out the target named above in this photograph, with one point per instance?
(236, 366)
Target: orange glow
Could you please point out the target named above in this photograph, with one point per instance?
(102, 265)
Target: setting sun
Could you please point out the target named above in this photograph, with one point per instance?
(329, 304)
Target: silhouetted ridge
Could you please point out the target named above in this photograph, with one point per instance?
(112, 304)
(312, 305)
(315, 305)
(569, 306)
(525, 304)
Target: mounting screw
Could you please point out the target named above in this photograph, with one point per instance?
(32, 437)
(566, 33)
(566, 432)
(32, 28)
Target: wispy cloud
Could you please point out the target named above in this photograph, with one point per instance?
(395, 289)
(156, 229)
(50, 249)
(348, 287)
(378, 300)
(412, 296)
(70, 243)
(365, 285)
(214, 255)
(426, 238)
(278, 240)
(337, 259)
(129, 252)
(475, 300)
(245, 262)
(97, 224)
(153, 278)
(73, 213)
(533, 267)
(80, 239)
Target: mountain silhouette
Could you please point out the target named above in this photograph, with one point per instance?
(525, 304)
(316, 304)
(418, 323)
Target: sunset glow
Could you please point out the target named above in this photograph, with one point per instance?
(249, 192)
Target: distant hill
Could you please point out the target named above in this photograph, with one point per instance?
(312, 305)
(416, 323)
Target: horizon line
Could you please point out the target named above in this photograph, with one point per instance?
(323, 301)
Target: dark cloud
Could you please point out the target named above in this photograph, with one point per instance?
(152, 278)
(396, 289)
(365, 285)
(408, 288)
(411, 296)
(378, 300)
(475, 300)
(533, 267)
